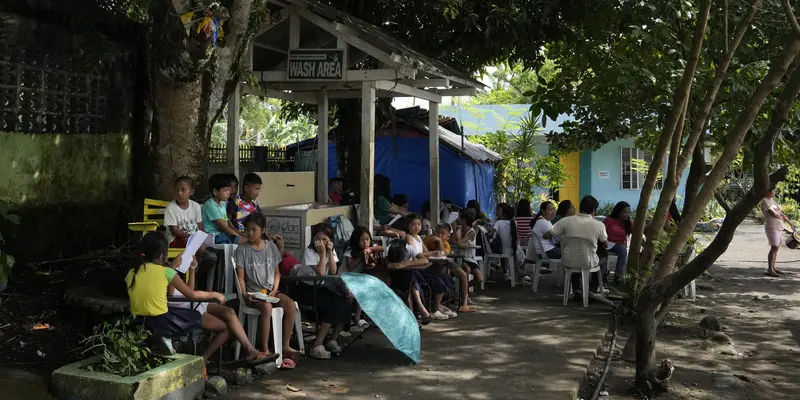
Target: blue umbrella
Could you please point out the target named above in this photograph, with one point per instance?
(387, 311)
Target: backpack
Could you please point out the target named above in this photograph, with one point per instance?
(342, 230)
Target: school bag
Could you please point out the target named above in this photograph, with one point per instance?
(342, 230)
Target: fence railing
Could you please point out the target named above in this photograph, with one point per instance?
(251, 154)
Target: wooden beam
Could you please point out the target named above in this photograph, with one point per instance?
(408, 91)
(342, 45)
(353, 75)
(233, 132)
(307, 98)
(356, 42)
(455, 92)
(367, 155)
(294, 31)
(270, 48)
(433, 144)
(426, 83)
(312, 86)
(322, 147)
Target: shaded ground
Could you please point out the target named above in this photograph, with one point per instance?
(761, 315)
(519, 345)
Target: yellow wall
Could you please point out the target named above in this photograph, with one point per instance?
(570, 189)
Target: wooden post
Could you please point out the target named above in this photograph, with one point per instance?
(233, 132)
(322, 146)
(433, 136)
(367, 154)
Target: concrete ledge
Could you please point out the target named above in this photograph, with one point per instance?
(181, 378)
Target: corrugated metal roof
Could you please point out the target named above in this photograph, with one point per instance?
(474, 151)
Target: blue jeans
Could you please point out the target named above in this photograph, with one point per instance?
(621, 251)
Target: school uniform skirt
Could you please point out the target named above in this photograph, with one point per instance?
(176, 321)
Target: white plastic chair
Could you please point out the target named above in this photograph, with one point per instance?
(490, 255)
(542, 258)
(248, 316)
(578, 254)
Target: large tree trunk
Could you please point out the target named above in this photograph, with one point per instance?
(192, 81)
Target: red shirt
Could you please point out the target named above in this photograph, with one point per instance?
(335, 198)
(616, 230)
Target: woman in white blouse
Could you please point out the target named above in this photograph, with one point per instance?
(541, 224)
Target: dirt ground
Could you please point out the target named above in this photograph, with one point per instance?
(761, 315)
(519, 345)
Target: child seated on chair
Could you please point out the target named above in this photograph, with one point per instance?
(362, 257)
(243, 204)
(440, 242)
(148, 284)
(182, 218)
(333, 307)
(466, 236)
(436, 275)
(404, 278)
(214, 210)
(257, 271)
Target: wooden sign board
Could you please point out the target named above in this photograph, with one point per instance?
(316, 64)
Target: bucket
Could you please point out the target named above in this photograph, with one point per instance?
(794, 240)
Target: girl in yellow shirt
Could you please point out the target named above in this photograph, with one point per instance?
(147, 290)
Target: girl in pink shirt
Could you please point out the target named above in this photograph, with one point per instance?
(618, 227)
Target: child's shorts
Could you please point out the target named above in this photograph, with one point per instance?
(177, 321)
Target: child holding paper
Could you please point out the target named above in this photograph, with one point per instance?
(182, 218)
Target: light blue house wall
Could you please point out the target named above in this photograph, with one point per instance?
(609, 190)
(482, 119)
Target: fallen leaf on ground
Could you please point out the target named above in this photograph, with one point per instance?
(292, 388)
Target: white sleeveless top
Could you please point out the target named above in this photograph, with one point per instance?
(415, 248)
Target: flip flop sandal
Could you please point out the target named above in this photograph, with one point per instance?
(288, 363)
(467, 309)
(426, 320)
(263, 358)
(772, 275)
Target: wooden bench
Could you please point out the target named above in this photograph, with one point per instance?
(153, 218)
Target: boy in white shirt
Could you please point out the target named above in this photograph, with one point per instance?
(182, 218)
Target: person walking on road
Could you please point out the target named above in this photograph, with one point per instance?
(773, 228)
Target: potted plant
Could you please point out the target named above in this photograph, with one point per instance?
(125, 368)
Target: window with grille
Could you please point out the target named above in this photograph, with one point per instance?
(632, 175)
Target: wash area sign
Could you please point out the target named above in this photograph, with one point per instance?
(321, 64)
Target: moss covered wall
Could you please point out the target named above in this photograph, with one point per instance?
(70, 190)
(48, 169)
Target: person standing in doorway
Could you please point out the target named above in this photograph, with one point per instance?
(773, 228)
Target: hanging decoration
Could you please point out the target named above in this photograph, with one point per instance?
(207, 20)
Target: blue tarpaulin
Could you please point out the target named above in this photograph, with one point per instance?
(460, 179)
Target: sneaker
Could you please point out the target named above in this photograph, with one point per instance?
(446, 311)
(320, 353)
(439, 316)
(363, 324)
(333, 347)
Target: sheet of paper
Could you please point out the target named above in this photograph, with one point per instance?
(609, 245)
(192, 245)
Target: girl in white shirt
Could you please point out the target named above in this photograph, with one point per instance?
(541, 224)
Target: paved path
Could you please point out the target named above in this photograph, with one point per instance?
(519, 345)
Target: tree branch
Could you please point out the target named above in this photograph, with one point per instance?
(711, 93)
(733, 142)
(787, 8)
(722, 202)
(681, 98)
